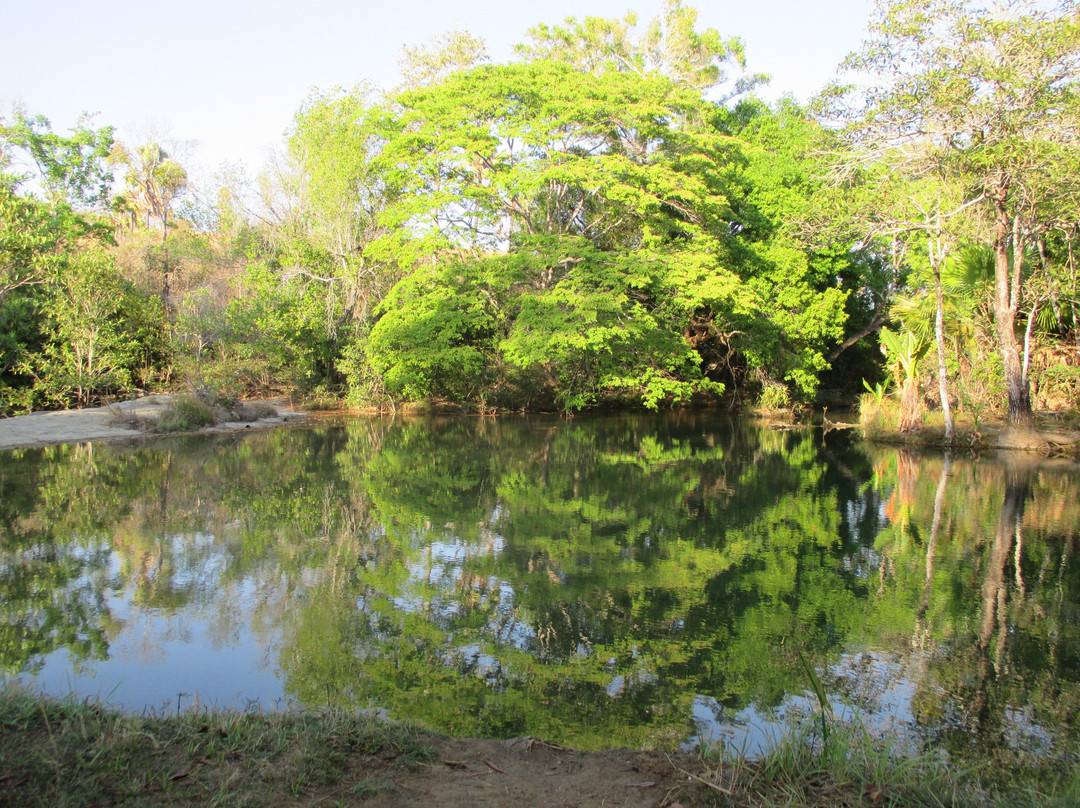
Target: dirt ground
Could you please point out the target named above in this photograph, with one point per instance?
(101, 423)
(521, 773)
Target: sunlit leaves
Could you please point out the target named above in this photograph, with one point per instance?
(581, 324)
(72, 170)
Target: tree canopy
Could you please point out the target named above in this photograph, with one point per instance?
(610, 217)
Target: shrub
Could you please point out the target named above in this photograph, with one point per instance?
(774, 401)
(186, 412)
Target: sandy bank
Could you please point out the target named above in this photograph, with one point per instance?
(101, 423)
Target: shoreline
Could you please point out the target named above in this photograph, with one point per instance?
(78, 752)
(110, 422)
(114, 422)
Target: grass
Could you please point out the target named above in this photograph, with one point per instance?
(204, 406)
(66, 753)
(199, 407)
(76, 753)
(975, 428)
(775, 403)
(850, 767)
(186, 412)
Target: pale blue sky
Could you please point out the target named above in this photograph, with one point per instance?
(231, 73)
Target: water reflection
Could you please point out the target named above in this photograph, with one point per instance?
(605, 581)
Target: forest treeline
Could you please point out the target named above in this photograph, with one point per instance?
(612, 217)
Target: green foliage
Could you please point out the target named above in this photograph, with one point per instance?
(564, 232)
(73, 328)
(34, 237)
(877, 392)
(903, 351)
(669, 45)
(590, 155)
(584, 226)
(433, 339)
(619, 242)
(1057, 385)
(574, 324)
(282, 331)
(956, 158)
(800, 288)
(774, 399)
(103, 334)
(73, 170)
(602, 331)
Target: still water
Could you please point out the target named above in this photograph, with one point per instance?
(605, 581)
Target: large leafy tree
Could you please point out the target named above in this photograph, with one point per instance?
(567, 171)
(539, 148)
(607, 171)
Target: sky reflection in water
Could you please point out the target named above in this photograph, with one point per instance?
(623, 580)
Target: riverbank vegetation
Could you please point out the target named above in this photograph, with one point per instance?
(610, 218)
(77, 753)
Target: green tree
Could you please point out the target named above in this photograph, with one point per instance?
(30, 239)
(73, 170)
(340, 193)
(154, 181)
(37, 240)
(103, 335)
(628, 193)
(670, 45)
(278, 332)
(775, 187)
(556, 321)
(982, 94)
(572, 174)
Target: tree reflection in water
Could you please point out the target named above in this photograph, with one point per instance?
(633, 579)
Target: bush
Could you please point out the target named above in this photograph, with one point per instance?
(774, 401)
(205, 405)
(186, 412)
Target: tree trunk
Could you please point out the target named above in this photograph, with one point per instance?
(910, 406)
(166, 280)
(874, 326)
(1006, 300)
(937, 258)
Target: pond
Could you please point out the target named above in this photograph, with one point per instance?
(624, 580)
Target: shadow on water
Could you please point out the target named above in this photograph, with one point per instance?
(623, 580)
